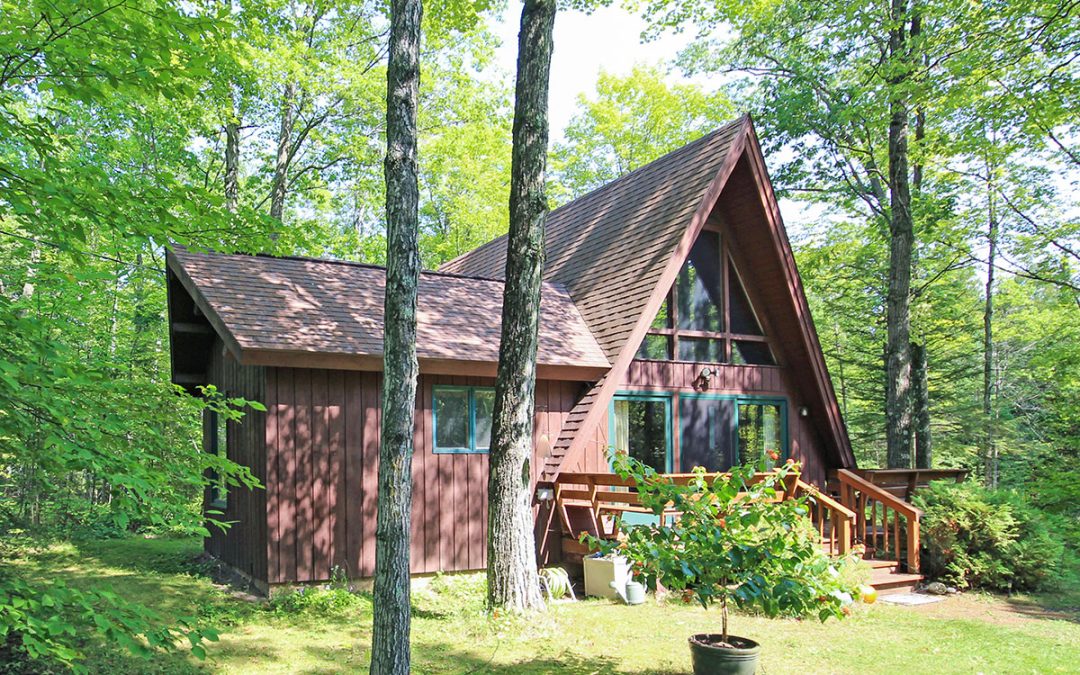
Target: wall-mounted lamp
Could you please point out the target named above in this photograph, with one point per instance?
(706, 374)
(545, 494)
(804, 411)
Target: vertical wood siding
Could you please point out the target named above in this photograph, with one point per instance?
(322, 435)
(243, 546)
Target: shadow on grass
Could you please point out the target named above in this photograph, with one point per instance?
(1034, 608)
(430, 660)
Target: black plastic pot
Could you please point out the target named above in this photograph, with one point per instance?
(711, 659)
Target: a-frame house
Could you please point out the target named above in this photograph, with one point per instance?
(674, 327)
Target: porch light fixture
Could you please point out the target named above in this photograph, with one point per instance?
(706, 373)
(545, 494)
(804, 411)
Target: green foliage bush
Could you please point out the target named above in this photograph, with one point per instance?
(994, 540)
(733, 543)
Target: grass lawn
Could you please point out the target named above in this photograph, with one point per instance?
(451, 634)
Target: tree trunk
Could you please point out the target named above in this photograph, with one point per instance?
(513, 583)
(901, 230)
(989, 445)
(232, 161)
(281, 163)
(919, 373)
(391, 597)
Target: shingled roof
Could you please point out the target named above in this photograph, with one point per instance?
(609, 247)
(264, 305)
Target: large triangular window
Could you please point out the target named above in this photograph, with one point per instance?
(707, 316)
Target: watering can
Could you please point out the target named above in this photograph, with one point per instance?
(633, 593)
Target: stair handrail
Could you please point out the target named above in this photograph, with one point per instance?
(855, 480)
(843, 519)
(825, 499)
(851, 482)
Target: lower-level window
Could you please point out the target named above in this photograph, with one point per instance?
(462, 418)
(760, 432)
(642, 429)
(718, 432)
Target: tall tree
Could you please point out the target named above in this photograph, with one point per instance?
(512, 578)
(392, 613)
(632, 120)
(898, 403)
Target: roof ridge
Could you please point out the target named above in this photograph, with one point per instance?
(333, 261)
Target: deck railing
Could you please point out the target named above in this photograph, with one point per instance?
(886, 524)
(589, 502)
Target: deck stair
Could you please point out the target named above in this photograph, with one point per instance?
(860, 513)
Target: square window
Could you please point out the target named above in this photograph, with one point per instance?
(462, 417)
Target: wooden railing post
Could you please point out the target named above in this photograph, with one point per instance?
(844, 534)
(913, 545)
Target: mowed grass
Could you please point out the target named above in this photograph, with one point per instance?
(452, 634)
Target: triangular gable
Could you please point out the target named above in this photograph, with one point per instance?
(619, 249)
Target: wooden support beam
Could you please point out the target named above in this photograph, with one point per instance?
(191, 328)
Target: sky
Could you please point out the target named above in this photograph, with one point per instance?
(608, 39)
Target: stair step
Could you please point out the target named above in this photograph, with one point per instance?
(882, 564)
(893, 582)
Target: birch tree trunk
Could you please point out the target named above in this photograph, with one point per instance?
(392, 615)
(513, 583)
(901, 230)
(281, 162)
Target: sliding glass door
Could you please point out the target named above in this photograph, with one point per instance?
(718, 432)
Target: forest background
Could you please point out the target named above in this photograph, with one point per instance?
(127, 125)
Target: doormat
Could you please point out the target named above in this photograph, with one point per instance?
(911, 599)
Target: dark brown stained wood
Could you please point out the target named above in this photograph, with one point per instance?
(273, 482)
(372, 416)
(417, 540)
(355, 409)
(303, 474)
(321, 476)
(337, 499)
(287, 468)
(244, 546)
(274, 309)
(432, 488)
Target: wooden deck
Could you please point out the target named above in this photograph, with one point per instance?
(868, 512)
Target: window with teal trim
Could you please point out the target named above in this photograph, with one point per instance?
(462, 418)
(641, 428)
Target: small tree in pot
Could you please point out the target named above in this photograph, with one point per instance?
(734, 542)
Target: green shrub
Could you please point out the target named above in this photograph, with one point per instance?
(313, 600)
(733, 543)
(995, 540)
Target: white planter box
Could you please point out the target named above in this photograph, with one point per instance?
(600, 572)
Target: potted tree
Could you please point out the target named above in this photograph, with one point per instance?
(733, 543)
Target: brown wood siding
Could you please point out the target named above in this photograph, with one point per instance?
(681, 377)
(243, 545)
(323, 432)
